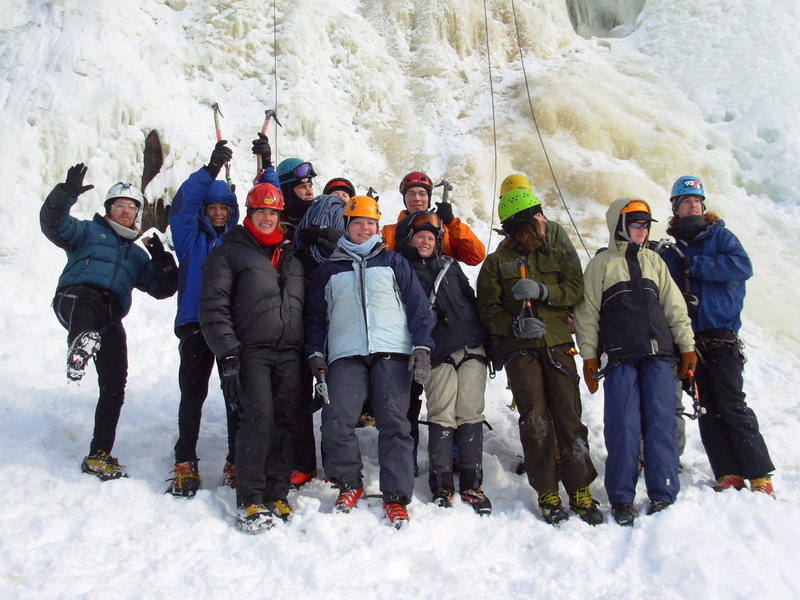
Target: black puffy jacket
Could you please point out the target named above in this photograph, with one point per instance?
(244, 301)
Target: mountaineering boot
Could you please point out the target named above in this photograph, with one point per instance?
(763, 485)
(551, 509)
(229, 475)
(83, 348)
(103, 465)
(299, 479)
(443, 498)
(440, 472)
(280, 508)
(254, 518)
(349, 493)
(478, 501)
(657, 506)
(395, 509)
(624, 514)
(727, 482)
(186, 480)
(582, 503)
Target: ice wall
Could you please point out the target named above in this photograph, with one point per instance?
(371, 90)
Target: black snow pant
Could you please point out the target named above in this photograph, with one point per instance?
(305, 449)
(80, 309)
(385, 379)
(729, 428)
(267, 404)
(196, 363)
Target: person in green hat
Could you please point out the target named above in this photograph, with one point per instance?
(525, 290)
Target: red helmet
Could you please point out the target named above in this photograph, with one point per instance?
(416, 179)
(264, 195)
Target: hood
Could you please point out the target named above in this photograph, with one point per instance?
(219, 193)
(612, 218)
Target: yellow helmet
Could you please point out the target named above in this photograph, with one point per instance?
(362, 206)
(514, 182)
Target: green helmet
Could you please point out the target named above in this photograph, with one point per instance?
(514, 202)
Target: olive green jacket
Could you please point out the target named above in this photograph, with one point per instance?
(551, 265)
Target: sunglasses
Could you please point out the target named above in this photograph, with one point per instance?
(304, 171)
(640, 224)
(428, 218)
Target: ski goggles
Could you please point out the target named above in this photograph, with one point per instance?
(304, 171)
(425, 221)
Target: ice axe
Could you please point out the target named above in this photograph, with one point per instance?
(217, 115)
(268, 115)
(321, 387)
(446, 188)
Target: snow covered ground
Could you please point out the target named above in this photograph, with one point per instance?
(371, 91)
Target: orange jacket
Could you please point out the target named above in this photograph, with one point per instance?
(458, 240)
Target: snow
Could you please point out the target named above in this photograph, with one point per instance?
(371, 91)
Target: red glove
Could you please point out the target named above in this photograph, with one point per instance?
(590, 369)
(688, 363)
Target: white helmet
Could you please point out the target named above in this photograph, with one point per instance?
(124, 190)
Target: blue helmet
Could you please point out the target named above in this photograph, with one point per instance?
(294, 169)
(688, 185)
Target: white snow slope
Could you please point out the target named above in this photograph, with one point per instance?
(371, 90)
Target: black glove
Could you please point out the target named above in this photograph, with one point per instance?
(74, 182)
(684, 263)
(220, 155)
(313, 234)
(526, 289)
(420, 364)
(528, 327)
(317, 364)
(692, 303)
(261, 146)
(229, 374)
(444, 210)
(155, 247)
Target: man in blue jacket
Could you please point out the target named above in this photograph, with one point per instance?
(94, 294)
(710, 266)
(201, 213)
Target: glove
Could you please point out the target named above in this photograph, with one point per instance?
(590, 370)
(155, 247)
(74, 182)
(229, 374)
(528, 288)
(420, 364)
(528, 328)
(684, 263)
(444, 210)
(316, 364)
(688, 363)
(313, 234)
(220, 155)
(261, 146)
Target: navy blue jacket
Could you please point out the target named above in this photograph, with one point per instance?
(719, 268)
(97, 256)
(458, 325)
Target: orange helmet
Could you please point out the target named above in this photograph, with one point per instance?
(362, 206)
(264, 195)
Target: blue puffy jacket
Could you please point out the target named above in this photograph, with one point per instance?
(97, 256)
(193, 236)
(370, 306)
(719, 268)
